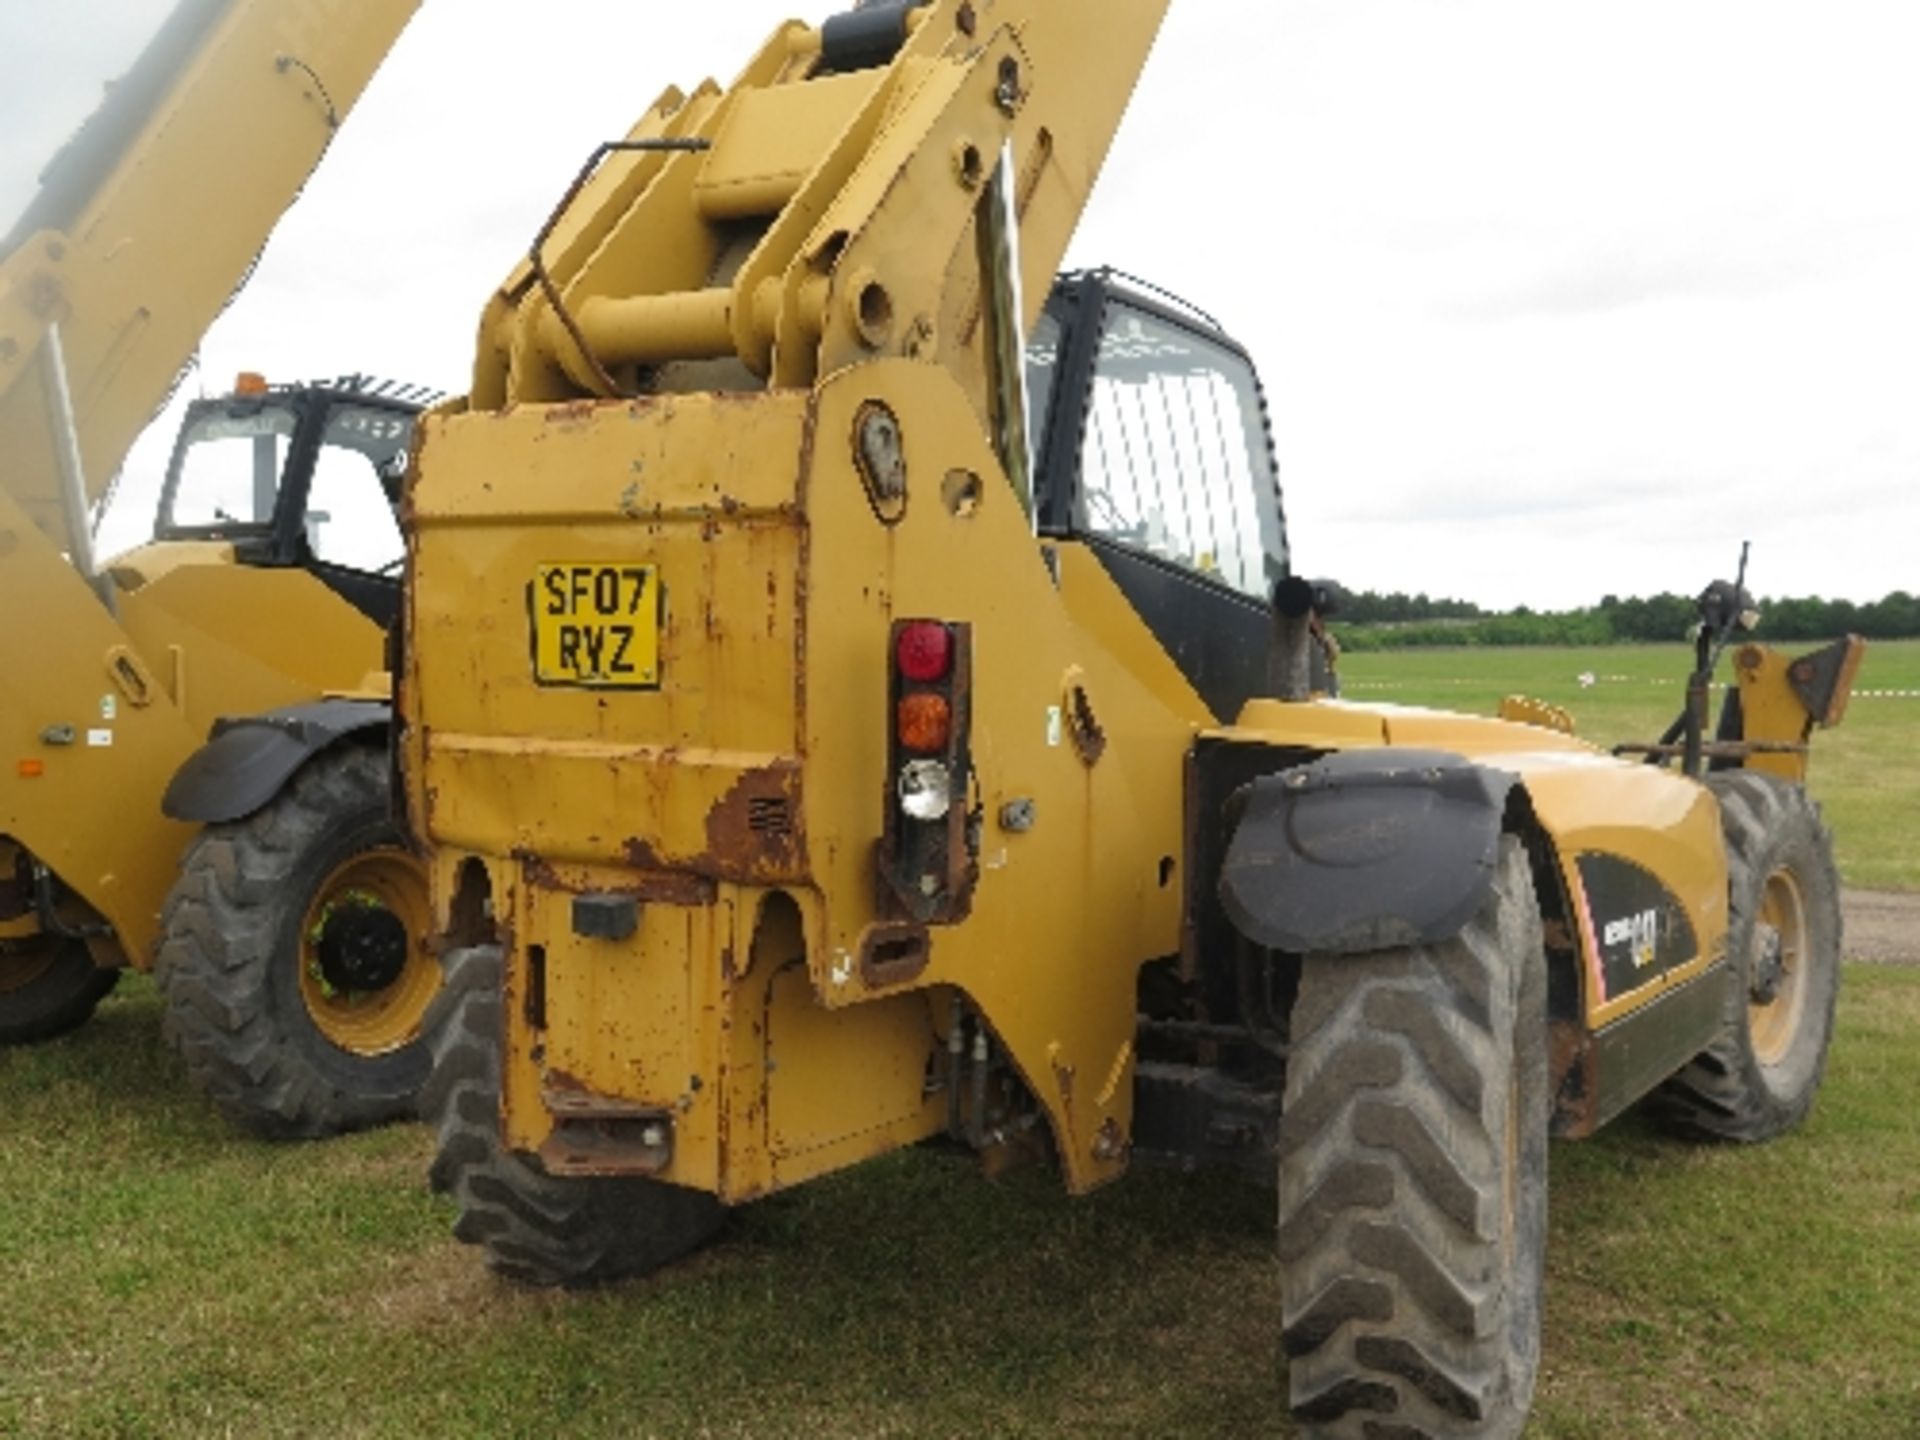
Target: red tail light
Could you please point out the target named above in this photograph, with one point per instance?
(924, 651)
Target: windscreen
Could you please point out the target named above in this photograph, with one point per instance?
(1175, 459)
(227, 468)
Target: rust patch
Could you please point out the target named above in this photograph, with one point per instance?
(802, 490)
(1085, 730)
(1110, 1144)
(1571, 1077)
(893, 954)
(1063, 1081)
(470, 920)
(1065, 1133)
(596, 1134)
(573, 412)
(537, 872)
(641, 855)
(669, 887)
(754, 831)
(659, 882)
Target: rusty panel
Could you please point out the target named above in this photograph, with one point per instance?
(698, 775)
(621, 1016)
(664, 811)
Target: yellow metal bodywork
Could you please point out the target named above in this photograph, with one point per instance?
(1586, 802)
(781, 585)
(832, 217)
(1526, 710)
(110, 704)
(822, 261)
(111, 709)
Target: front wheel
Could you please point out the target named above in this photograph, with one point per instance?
(1413, 1180)
(294, 958)
(1758, 1077)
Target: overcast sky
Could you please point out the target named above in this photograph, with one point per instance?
(1551, 297)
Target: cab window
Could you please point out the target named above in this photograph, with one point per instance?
(227, 469)
(350, 518)
(1174, 459)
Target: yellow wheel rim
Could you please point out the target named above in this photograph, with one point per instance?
(375, 901)
(1773, 1022)
(22, 964)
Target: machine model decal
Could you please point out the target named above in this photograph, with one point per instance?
(1639, 930)
(596, 625)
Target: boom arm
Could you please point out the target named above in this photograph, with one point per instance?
(820, 211)
(152, 217)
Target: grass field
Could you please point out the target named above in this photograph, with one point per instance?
(160, 1276)
(1865, 772)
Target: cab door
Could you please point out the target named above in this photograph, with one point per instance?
(1156, 455)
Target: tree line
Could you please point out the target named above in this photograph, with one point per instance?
(1370, 620)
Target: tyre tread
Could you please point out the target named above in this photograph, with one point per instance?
(537, 1229)
(1396, 1319)
(1719, 1094)
(218, 949)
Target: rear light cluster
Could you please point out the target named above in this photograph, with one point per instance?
(923, 717)
(926, 856)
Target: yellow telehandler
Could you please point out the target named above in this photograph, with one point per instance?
(173, 706)
(857, 690)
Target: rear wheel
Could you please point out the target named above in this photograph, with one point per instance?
(537, 1229)
(1758, 1077)
(1413, 1179)
(294, 961)
(48, 986)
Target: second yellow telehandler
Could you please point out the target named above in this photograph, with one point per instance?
(292, 952)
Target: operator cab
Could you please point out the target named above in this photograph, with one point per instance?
(300, 475)
(1154, 451)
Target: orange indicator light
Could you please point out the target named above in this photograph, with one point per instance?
(924, 722)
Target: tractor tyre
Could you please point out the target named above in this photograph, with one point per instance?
(1413, 1180)
(1757, 1078)
(536, 1229)
(294, 961)
(48, 986)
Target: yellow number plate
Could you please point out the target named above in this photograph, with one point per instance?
(596, 624)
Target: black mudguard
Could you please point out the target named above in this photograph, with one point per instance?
(247, 759)
(1363, 850)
